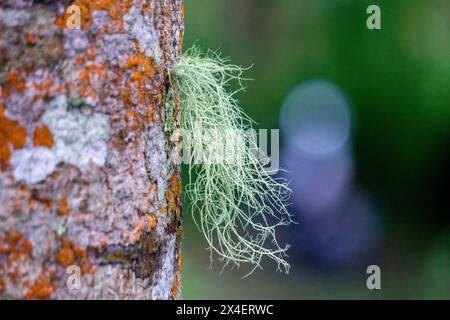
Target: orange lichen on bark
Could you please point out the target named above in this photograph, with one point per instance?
(31, 38)
(32, 204)
(143, 70)
(42, 199)
(42, 288)
(140, 224)
(11, 134)
(150, 113)
(16, 80)
(175, 286)
(132, 120)
(136, 90)
(70, 254)
(45, 88)
(89, 77)
(181, 32)
(152, 220)
(63, 207)
(173, 195)
(115, 8)
(91, 70)
(176, 282)
(43, 137)
(14, 252)
(142, 64)
(171, 201)
(85, 16)
(176, 185)
(65, 255)
(13, 245)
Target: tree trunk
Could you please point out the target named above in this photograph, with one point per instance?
(90, 189)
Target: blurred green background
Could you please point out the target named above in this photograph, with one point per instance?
(397, 83)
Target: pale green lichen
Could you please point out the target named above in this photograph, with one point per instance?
(81, 135)
(33, 164)
(141, 26)
(61, 230)
(236, 205)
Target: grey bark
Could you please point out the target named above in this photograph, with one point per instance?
(89, 179)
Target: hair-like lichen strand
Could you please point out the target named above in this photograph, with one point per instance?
(237, 206)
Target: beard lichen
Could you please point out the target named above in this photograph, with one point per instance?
(236, 205)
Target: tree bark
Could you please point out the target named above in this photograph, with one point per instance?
(89, 179)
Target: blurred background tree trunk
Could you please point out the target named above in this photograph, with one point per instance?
(90, 189)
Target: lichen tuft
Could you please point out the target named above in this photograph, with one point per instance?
(236, 204)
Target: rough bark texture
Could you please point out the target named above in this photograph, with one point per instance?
(88, 176)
